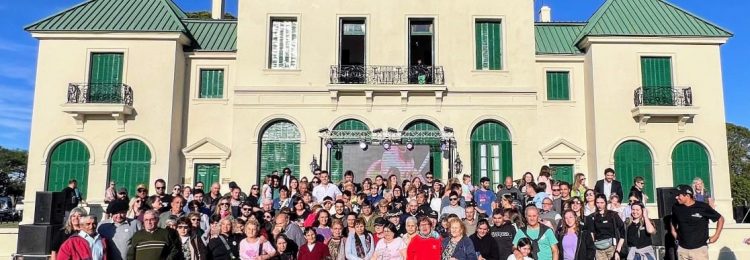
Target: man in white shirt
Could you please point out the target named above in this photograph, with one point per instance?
(608, 185)
(325, 189)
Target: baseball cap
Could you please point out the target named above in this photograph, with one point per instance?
(685, 190)
(123, 191)
(117, 206)
(232, 185)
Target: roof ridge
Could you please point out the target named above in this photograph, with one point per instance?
(79, 5)
(176, 16)
(196, 20)
(593, 20)
(696, 16)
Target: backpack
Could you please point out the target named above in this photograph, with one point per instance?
(535, 241)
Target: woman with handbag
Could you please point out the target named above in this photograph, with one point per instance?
(607, 229)
(638, 232)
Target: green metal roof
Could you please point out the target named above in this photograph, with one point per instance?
(648, 18)
(213, 35)
(116, 15)
(557, 38)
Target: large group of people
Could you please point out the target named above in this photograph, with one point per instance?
(535, 217)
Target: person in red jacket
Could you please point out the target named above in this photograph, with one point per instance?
(86, 245)
(312, 250)
(424, 246)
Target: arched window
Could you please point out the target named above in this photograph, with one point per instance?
(280, 148)
(68, 160)
(689, 160)
(416, 132)
(130, 165)
(337, 161)
(491, 153)
(633, 158)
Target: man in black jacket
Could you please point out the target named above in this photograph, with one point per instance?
(608, 185)
(72, 197)
(503, 232)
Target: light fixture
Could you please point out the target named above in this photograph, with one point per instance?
(444, 145)
(458, 164)
(387, 144)
(448, 129)
(409, 145)
(392, 130)
(323, 130)
(314, 164)
(377, 130)
(329, 144)
(363, 145)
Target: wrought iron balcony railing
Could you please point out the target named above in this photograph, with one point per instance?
(100, 93)
(663, 96)
(387, 75)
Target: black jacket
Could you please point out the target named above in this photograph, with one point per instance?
(486, 246)
(218, 251)
(616, 188)
(584, 246)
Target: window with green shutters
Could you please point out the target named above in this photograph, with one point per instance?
(489, 44)
(436, 154)
(69, 160)
(335, 157)
(130, 165)
(562, 172)
(690, 160)
(206, 173)
(280, 148)
(105, 78)
(211, 83)
(491, 153)
(558, 85)
(633, 158)
(656, 73)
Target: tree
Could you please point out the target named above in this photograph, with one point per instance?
(738, 143)
(206, 15)
(13, 171)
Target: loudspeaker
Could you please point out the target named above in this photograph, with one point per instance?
(665, 199)
(36, 239)
(49, 208)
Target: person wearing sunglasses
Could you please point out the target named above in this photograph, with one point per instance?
(223, 208)
(118, 229)
(136, 209)
(454, 207)
(246, 210)
(161, 190)
(637, 190)
(192, 245)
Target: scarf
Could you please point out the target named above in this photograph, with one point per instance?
(359, 246)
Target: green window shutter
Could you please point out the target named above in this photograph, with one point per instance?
(280, 148)
(558, 85)
(69, 160)
(130, 165)
(105, 77)
(633, 158)
(211, 83)
(336, 168)
(562, 172)
(689, 160)
(436, 155)
(491, 143)
(488, 45)
(656, 74)
(206, 173)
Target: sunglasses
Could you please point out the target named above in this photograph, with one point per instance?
(246, 209)
(633, 201)
(255, 188)
(454, 198)
(194, 219)
(267, 217)
(555, 189)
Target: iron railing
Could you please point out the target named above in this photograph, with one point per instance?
(387, 75)
(100, 93)
(663, 96)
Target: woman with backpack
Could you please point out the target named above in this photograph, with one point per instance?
(638, 232)
(607, 228)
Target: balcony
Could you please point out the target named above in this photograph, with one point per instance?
(87, 101)
(387, 75)
(664, 105)
(375, 79)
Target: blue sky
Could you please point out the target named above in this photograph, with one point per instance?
(18, 53)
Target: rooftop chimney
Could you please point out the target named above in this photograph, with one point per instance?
(545, 14)
(217, 9)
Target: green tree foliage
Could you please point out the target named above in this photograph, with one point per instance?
(13, 171)
(206, 15)
(738, 142)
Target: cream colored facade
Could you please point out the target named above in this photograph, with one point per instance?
(181, 129)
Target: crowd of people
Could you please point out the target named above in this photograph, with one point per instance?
(284, 218)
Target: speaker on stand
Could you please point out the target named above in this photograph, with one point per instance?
(36, 240)
(49, 208)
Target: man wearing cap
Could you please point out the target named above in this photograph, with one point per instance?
(118, 230)
(690, 225)
(379, 227)
(394, 216)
